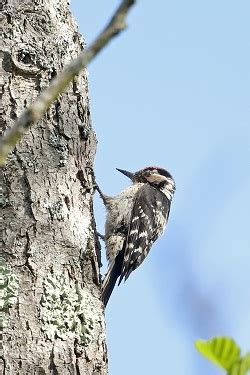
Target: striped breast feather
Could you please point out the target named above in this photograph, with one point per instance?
(149, 215)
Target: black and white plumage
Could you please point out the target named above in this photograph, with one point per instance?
(135, 219)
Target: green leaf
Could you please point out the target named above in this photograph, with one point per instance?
(223, 351)
(241, 367)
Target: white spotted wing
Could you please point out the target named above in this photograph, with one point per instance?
(148, 220)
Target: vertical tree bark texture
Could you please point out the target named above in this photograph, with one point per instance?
(51, 313)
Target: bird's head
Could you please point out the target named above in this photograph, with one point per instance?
(157, 177)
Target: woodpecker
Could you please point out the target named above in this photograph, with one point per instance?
(135, 219)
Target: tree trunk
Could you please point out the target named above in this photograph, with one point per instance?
(50, 310)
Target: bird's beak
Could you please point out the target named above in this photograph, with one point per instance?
(126, 173)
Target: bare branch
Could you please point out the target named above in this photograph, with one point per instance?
(58, 84)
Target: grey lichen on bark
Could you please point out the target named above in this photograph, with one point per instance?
(9, 285)
(48, 232)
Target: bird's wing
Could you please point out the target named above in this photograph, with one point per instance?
(148, 219)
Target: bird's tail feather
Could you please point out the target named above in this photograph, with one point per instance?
(111, 277)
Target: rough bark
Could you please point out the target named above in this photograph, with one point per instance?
(50, 311)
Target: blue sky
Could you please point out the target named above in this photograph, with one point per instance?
(173, 90)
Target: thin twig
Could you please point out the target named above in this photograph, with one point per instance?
(59, 83)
